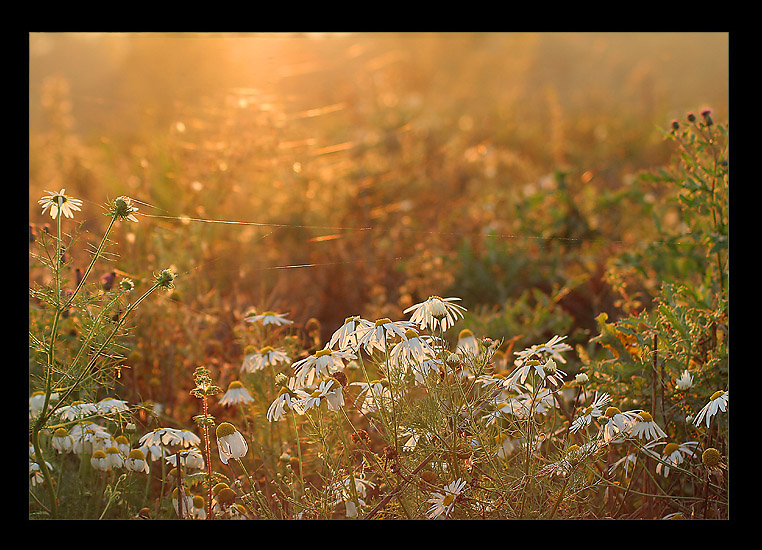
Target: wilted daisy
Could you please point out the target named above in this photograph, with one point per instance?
(685, 381)
(435, 313)
(123, 209)
(270, 318)
(374, 336)
(627, 463)
(187, 502)
(285, 402)
(443, 503)
(718, 402)
(59, 202)
(62, 441)
(88, 437)
(593, 411)
(114, 457)
(136, 461)
(552, 348)
(236, 394)
(644, 427)
(345, 336)
(320, 364)
(230, 442)
(198, 511)
(191, 458)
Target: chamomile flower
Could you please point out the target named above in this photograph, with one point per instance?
(320, 364)
(191, 458)
(345, 337)
(270, 318)
(77, 410)
(376, 395)
(467, 343)
(198, 510)
(230, 442)
(35, 473)
(236, 394)
(593, 411)
(685, 381)
(644, 427)
(313, 396)
(412, 349)
(100, 461)
(59, 202)
(618, 424)
(187, 502)
(109, 405)
(285, 402)
(673, 454)
(37, 400)
(627, 463)
(114, 457)
(436, 313)
(427, 369)
(62, 442)
(162, 437)
(136, 461)
(443, 503)
(375, 336)
(123, 209)
(89, 437)
(718, 402)
(548, 372)
(552, 348)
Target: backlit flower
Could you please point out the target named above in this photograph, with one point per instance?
(270, 318)
(593, 411)
(685, 381)
(548, 372)
(236, 394)
(375, 336)
(230, 442)
(673, 454)
(99, 461)
(618, 424)
(345, 336)
(136, 461)
(718, 402)
(644, 427)
(322, 363)
(412, 349)
(551, 349)
(312, 396)
(62, 441)
(285, 402)
(435, 313)
(376, 395)
(59, 202)
(467, 343)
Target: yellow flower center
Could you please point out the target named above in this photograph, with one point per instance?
(60, 432)
(112, 451)
(710, 457)
(670, 448)
(350, 319)
(322, 352)
(266, 349)
(383, 321)
(225, 429)
(448, 499)
(99, 454)
(611, 411)
(235, 385)
(716, 395)
(465, 333)
(411, 333)
(646, 417)
(136, 454)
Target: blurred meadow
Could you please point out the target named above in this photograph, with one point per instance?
(326, 175)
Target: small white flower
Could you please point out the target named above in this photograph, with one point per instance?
(236, 394)
(412, 349)
(552, 348)
(312, 396)
(270, 318)
(136, 461)
(37, 400)
(100, 461)
(191, 458)
(77, 410)
(346, 337)
(161, 436)
(109, 405)
(62, 441)
(435, 313)
(285, 402)
(35, 473)
(59, 202)
(187, 502)
(685, 381)
(673, 454)
(254, 360)
(322, 363)
(376, 395)
(114, 457)
(644, 427)
(426, 369)
(375, 336)
(467, 343)
(593, 411)
(548, 372)
(718, 402)
(230, 442)
(618, 425)
(443, 503)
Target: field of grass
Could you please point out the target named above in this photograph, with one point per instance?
(378, 276)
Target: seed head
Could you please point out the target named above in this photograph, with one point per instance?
(165, 279)
(711, 457)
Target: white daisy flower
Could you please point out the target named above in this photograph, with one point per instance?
(199, 507)
(412, 349)
(77, 410)
(320, 364)
(37, 400)
(552, 348)
(435, 313)
(312, 396)
(443, 503)
(467, 343)
(346, 337)
(618, 424)
(136, 461)
(123, 208)
(123, 444)
(114, 457)
(59, 202)
(375, 335)
(425, 369)
(230, 442)
(285, 402)
(62, 442)
(109, 405)
(254, 360)
(100, 461)
(187, 502)
(593, 411)
(88, 437)
(548, 372)
(718, 402)
(162, 437)
(673, 454)
(236, 394)
(35, 473)
(644, 427)
(627, 462)
(685, 381)
(191, 458)
(269, 318)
